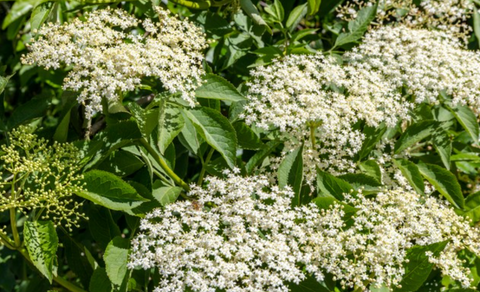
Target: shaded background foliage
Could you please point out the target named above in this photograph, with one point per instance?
(243, 34)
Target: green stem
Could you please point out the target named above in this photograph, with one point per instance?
(164, 165)
(5, 240)
(204, 164)
(13, 224)
(312, 135)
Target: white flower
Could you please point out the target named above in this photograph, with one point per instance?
(108, 56)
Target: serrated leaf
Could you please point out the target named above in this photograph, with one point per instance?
(468, 120)
(247, 138)
(217, 132)
(165, 194)
(358, 26)
(313, 6)
(411, 172)
(276, 10)
(290, 172)
(472, 207)
(359, 180)
(116, 259)
(3, 82)
(418, 268)
(108, 190)
(371, 168)
(253, 13)
(34, 108)
(170, 124)
(297, 14)
(216, 87)
(77, 259)
(188, 136)
(260, 155)
(414, 134)
(444, 182)
(40, 15)
(41, 241)
(373, 136)
(121, 163)
(329, 185)
(443, 145)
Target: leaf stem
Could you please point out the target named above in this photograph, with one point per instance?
(13, 224)
(312, 135)
(5, 240)
(204, 164)
(164, 165)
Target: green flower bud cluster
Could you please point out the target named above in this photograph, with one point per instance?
(40, 179)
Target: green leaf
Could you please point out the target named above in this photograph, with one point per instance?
(297, 14)
(40, 15)
(358, 180)
(170, 124)
(444, 182)
(61, 133)
(165, 194)
(34, 108)
(253, 13)
(116, 259)
(99, 281)
(217, 132)
(216, 87)
(101, 225)
(327, 202)
(121, 163)
(77, 260)
(313, 6)
(411, 172)
(276, 10)
(468, 120)
(418, 268)
(443, 145)
(3, 82)
(110, 191)
(476, 25)
(371, 168)
(41, 241)
(309, 285)
(290, 172)
(247, 138)
(188, 136)
(260, 155)
(373, 136)
(414, 134)
(19, 9)
(472, 207)
(328, 185)
(358, 26)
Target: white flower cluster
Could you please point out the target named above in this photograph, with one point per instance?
(239, 235)
(446, 15)
(424, 62)
(108, 55)
(311, 95)
(372, 249)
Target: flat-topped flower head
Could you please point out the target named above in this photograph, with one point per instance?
(238, 235)
(450, 16)
(307, 96)
(424, 62)
(41, 178)
(372, 249)
(107, 55)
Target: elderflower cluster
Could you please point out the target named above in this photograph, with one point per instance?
(41, 178)
(425, 63)
(107, 55)
(446, 15)
(370, 248)
(238, 235)
(313, 100)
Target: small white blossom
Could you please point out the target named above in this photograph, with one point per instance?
(108, 56)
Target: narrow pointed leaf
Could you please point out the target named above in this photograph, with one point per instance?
(290, 171)
(414, 134)
(216, 87)
(411, 172)
(468, 120)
